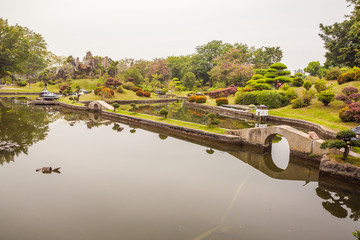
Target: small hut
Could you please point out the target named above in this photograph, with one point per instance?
(262, 111)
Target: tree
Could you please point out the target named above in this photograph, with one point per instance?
(135, 74)
(21, 50)
(342, 40)
(213, 120)
(160, 67)
(344, 141)
(189, 80)
(307, 85)
(202, 60)
(266, 56)
(315, 69)
(232, 67)
(116, 106)
(164, 112)
(326, 97)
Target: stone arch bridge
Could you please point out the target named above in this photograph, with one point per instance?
(300, 143)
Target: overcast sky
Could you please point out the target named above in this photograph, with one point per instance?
(160, 28)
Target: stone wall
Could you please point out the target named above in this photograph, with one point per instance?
(19, 93)
(345, 171)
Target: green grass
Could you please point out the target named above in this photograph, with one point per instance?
(350, 159)
(317, 112)
(212, 129)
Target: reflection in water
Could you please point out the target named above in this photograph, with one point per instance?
(20, 127)
(340, 199)
(181, 112)
(194, 189)
(280, 152)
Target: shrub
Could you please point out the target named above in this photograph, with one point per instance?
(98, 90)
(147, 94)
(283, 79)
(129, 85)
(307, 85)
(213, 120)
(351, 113)
(298, 82)
(270, 75)
(260, 71)
(304, 100)
(333, 74)
(120, 89)
(140, 93)
(350, 90)
(351, 75)
(246, 98)
(297, 103)
(326, 97)
(197, 99)
(320, 85)
(355, 97)
(135, 89)
(133, 107)
(272, 99)
(283, 73)
(289, 94)
(257, 76)
(298, 74)
(164, 112)
(107, 93)
(22, 83)
(222, 101)
(271, 70)
(285, 87)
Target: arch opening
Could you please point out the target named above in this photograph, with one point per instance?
(280, 151)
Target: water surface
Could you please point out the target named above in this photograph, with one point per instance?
(135, 184)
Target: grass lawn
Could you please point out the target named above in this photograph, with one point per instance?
(212, 129)
(351, 160)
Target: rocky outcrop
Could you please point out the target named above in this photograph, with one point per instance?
(345, 171)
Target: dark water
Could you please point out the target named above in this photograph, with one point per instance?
(137, 184)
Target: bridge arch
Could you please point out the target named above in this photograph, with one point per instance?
(299, 142)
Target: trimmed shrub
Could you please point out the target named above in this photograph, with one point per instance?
(147, 94)
(164, 112)
(355, 97)
(298, 74)
(115, 105)
(129, 85)
(289, 94)
(278, 66)
(351, 75)
(326, 97)
(22, 83)
(333, 74)
(350, 90)
(271, 70)
(107, 93)
(222, 101)
(262, 86)
(272, 99)
(284, 73)
(260, 71)
(320, 85)
(140, 93)
(307, 85)
(135, 89)
(197, 99)
(120, 89)
(285, 87)
(283, 79)
(257, 76)
(298, 82)
(270, 75)
(350, 113)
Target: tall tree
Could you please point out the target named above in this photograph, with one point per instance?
(342, 40)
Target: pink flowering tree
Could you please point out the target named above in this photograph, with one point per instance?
(232, 67)
(159, 67)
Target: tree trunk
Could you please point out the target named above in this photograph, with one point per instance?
(346, 152)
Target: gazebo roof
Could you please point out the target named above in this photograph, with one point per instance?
(356, 130)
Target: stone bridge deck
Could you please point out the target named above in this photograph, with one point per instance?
(299, 142)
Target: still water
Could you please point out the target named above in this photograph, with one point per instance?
(134, 184)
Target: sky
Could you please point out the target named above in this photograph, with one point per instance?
(143, 29)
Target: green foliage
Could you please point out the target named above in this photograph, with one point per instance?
(320, 85)
(22, 51)
(298, 81)
(213, 120)
(22, 83)
(283, 79)
(257, 76)
(135, 74)
(307, 85)
(115, 105)
(357, 234)
(129, 85)
(344, 141)
(326, 96)
(285, 87)
(120, 89)
(163, 112)
(278, 66)
(290, 93)
(260, 71)
(304, 100)
(133, 107)
(298, 74)
(261, 86)
(189, 80)
(284, 73)
(333, 73)
(272, 99)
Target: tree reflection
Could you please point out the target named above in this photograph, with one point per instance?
(20, 127)
(339, 204)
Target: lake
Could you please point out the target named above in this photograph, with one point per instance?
(121, 182)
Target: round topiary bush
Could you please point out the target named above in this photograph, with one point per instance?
(307, 85)
(298, 82)
(222, 101)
